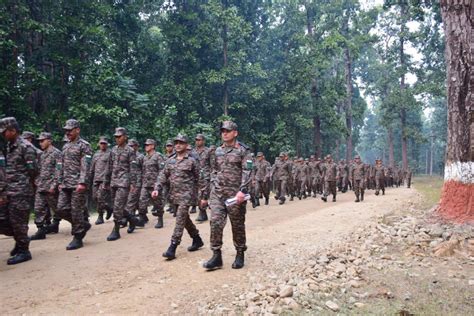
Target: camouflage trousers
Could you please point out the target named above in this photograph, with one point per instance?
(281, 188)
(330, 188)
(379, 185)
(101, 196)
(146, 200)
(183, 222)
(219, 213)
(132, 201)
(119, 200)
(19, 212)
(72, 207)
(45, 203)
(408, 182)
(262, 188)
(358, 187)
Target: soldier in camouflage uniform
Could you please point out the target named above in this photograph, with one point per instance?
(100, 175)
(262, 178)
(73, 176)
(153, 163)
(134, 196)
(343, 175)
(46, 195)
(231, 168)
(169, 151)
(20, 168)
(329, 175)
(5, 227)
(395, 174)
(408, 176)
(281, 171)
(358, 170)
(182, 173)
(124, 168)
(379, 177)
(313, 167)
(30, 136)
(205, 166)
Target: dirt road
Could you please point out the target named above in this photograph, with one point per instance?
(130, 275)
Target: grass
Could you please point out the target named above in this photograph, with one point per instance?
(430, 188)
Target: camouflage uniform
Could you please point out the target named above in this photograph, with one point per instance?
(19, 166)
(5, 227)
(74, 169)
(358, 177)
(100, 175)
(379, 177)
(152, 165)
(134, 196)
(395, 176)
(281, 171)
(46, 181)
(408, 176)
(205, 173)
(330, 175)
(262, 178)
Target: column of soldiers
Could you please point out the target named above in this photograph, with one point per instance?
(122, 181)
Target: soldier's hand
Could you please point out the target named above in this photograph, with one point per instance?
(133, 189)
(81, 188)
(203, 203)
(154, 194)
(240, 196)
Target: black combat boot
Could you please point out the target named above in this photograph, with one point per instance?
(169, 210)
(383, 192)
(40, 234)
(202, 217)
(376, 192)
(254, 203)
(115, 234)
(75, 243)
(334, 199)
(292, 197)
(362, 196)
(123, 222)
(282, 200)
(193, 210)
(215, 262)
(325, 199)
(239, 260)
(109, 211)
(357, 199)
(132, 223)
(266, 201)
(159, 224)
(100, 219)
(54, 227)
(14, 251)
(19, 257)
(257, 201)
(170, 254)
(142, 220)
(197, 243)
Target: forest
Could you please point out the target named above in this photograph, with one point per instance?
(339, 77)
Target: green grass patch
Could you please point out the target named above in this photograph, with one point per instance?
(430, 188)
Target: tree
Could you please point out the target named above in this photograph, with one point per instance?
(457, 200)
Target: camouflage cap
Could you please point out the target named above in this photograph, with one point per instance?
(132, 142)
(200, 137)
(181, 138)
(169, 142)
(44, 135)
(120, 131)
(27, 134)
(103, 140)
(8, 122)
(356, 157)
(150, 141)
(228, 125)
(259, 154)
(312, 156)
(282, 154)
(71, 124)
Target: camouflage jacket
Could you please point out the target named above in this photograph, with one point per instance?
(231, 168)
(329, 171)
(281, 170)
(20, 168)
(139, 172)
(262, 170)
(75, 163)
(343, 170)
(152, 165)
(379, 171)
(358, 171)
(123, 167)
(100, 171)
(47, 167)
(182, 178)
(204, 155)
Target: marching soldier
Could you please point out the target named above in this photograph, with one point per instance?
(205, 166)
(169, 151)
(100, 175)
(46, 196)
(408, 176)
(379, 177)
(231, 169)
(134, 196)
(281, 171)
(19, 165)
(181, 172)
(330, 174)
(358, 177)
(262, 178)
(73, 176)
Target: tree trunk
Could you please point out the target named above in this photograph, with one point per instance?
(225, 100)
(403, 115)
(457, 198)
(317, 137)
(391, 158)
(349, 89)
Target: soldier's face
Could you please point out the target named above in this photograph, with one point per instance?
(260, 158)
(169, 148)
(103, 146)
(72, 134)
(10, 134)
(180, 147)
(228, 136)
(199, 142)
(45, 143)
(149, 148)
(120, 140)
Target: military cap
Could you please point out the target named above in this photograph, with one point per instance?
(132, 142)
(312, 156)
(181, 138)
(200, 136)
(306, 159)
(229, 125)
(282, 154)
(356, 157)
(103, 140)
(120, 131)
(169, 142)
(150, 141)
(44, 135)
(8, 122)
(259, 154)
(71, 124)
(27, 134)
(300, 159)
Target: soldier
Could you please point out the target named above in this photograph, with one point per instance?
(134, 196)
(73, 176)
(343, 176)
(169, 151)
(309, 172)
(291, 186)
(153, 163)
(358, 177)
(205, 166)
(5, 227)
(395, 174)
(231, 168)
(46, 195)
(262, 178)
(19, 165)
(318, 176)
(100, 175)
(330, 174)
(182, 172)
(124, 168)
(379, 177)
(408, 176)
(281, 171)
(30, 136)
